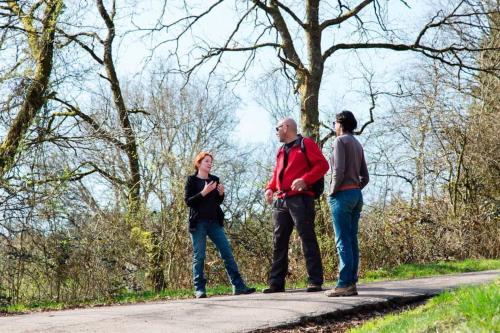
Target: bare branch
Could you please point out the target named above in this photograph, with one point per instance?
(345, 16)
(434, 53)
(177, 38)
(107, 175)
(282, 28)
(327, 137)
(372, 107)
(396, 175)
(213, 52)
(74, 111)
(105, 16)
(74, 175)
(75, 39)
(291, 13)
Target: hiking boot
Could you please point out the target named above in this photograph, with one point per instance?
(313, 288)
(342, 292)
(273, 289)
(243, 291)
(200, 294)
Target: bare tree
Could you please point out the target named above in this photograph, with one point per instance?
(123, 137)
(301, 34)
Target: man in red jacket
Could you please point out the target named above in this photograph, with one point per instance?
(294, 204)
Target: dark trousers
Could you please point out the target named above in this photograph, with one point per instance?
(295, 211)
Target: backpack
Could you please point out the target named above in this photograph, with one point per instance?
(317, 187)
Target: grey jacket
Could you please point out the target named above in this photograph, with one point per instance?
(347, 163)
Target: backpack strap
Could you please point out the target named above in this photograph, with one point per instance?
(303, 149)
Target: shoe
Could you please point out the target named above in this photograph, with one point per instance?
(273, 289)
(243, 291)
(313, 288)
(341, 292)
(200, 294)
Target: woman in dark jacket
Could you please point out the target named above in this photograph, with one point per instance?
(204, 194)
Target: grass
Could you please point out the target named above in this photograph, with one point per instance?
(398, 273)
(469, 309)
(46, 305)
(410, 271)
(122, 298)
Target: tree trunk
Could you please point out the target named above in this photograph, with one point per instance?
(311, 80)
(134, 179)
(42, 50)
(309, 114)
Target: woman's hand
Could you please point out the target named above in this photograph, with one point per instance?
(220, 188)
(209, 187)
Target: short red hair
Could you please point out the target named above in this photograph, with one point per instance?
(200, 157)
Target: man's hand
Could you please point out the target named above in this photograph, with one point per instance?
(269, 196)
(299, 185)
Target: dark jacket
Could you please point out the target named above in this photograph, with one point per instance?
(193, 198)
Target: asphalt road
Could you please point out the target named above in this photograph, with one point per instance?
(244, 313)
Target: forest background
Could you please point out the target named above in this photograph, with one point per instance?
(104, 104)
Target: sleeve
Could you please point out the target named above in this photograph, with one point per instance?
(272, 184)
(191, 196)
(318, 162)
(338, 167)
(220, 198)
(364, 176)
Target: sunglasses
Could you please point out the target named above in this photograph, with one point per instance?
(278, 127)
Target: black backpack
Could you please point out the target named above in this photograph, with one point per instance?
(317, 187)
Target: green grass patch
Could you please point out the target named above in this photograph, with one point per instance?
(410, 271)
(469, 309)
(39, 306)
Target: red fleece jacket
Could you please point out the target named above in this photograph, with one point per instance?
(297, 167)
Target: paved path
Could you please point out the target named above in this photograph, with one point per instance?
(230, 313)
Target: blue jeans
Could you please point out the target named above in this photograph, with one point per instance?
(216, 233)
(346, 209)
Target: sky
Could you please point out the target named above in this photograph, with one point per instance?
(342, 83)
